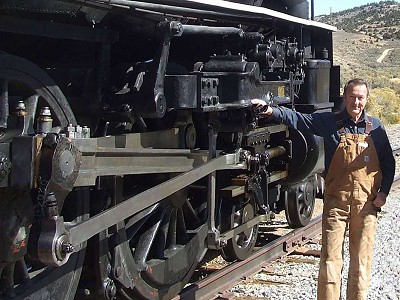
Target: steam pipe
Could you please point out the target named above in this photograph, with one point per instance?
(312, 10)
(4, 110)
(195, 29)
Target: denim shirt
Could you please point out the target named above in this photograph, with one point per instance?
(324, 124)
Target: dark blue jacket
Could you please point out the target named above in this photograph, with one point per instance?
(325, 125)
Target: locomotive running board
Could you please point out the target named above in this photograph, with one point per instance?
(209, 9)
(81, 232)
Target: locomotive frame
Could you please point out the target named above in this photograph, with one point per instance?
(129, 145)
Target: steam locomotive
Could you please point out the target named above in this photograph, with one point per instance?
(129, 146)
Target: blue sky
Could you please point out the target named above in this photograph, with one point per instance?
(322, 7)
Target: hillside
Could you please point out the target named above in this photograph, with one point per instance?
(375, 58)
(380, 20)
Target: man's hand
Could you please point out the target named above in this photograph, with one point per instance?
(380, 199)
(265, 110)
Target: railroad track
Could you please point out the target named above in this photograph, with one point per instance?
(214, 285)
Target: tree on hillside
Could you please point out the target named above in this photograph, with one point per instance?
(384, 15)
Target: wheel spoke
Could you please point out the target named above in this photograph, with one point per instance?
(299, 203)
(302, 207)
(192, 218)
(163, 254)
(133, 228)
(182, 236)
(242, 244)
(171, 237)
(146, 241)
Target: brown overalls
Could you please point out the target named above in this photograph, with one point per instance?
(353, 180)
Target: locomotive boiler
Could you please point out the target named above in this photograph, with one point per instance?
(129, 146)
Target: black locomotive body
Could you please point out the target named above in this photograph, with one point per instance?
(129, 145)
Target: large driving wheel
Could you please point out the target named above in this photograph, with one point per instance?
(235, 214)
(22, 276)
(161, 247)
(21, 80)
(299, 203)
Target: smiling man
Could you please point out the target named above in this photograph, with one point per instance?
(359, 167)
(355, 99)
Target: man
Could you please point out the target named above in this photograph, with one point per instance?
(360, 169)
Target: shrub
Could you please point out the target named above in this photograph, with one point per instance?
(384, 103)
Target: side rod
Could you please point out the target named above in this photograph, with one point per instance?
(86, 229)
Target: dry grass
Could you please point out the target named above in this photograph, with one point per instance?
(384, 103)
(357, 56)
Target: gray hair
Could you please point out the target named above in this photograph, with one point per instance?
(355, 82)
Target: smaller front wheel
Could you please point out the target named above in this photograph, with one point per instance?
(299, 202)
(233, 215)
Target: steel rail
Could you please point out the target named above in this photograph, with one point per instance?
(396, 151)
(223, 279)
(396, 181)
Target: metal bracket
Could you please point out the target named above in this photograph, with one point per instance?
(149, 101)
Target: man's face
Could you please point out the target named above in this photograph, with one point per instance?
(355, 100)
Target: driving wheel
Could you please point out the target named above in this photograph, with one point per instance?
(160, 247)
(233, 215)
(22, 276)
